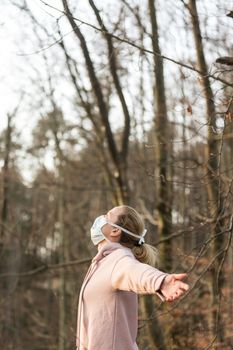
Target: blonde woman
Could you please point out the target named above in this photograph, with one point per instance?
(122, 268)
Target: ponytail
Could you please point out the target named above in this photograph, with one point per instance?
(146, 254)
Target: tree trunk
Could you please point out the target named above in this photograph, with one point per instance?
(119, 158)
(62, 341)
(163, 147)
(157, 340)
(163, 154)
(213, 185)
(64, 243)
(5, 175)
(11, 252)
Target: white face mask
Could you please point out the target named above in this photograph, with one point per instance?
(97, 235)
(96, 230)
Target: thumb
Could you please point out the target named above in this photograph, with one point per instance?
(180, 276)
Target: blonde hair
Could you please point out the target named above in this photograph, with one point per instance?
(131, 220)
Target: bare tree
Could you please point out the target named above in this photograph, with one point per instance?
(9, 238)
(5, 173)
(163, 145)
(119, 158)
(214, 188)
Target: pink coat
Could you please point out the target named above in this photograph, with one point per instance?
(108, 304)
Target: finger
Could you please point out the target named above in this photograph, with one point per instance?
(174, 296)
(178, 293)
(169, 299)
(184, 286)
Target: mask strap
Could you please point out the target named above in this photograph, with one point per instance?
(141, 237)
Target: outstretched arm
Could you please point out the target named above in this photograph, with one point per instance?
(129, 274)
(172, 286)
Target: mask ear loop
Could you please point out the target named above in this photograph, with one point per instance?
(142, 239)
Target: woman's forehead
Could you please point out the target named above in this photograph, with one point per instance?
(114, 212)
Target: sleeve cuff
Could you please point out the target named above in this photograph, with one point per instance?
(158, 284)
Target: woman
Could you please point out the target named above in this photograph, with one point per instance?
(122, 268)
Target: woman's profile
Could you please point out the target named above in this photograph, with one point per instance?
(122, 268)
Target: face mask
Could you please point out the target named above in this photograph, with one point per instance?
(96, 230)
(97, 235)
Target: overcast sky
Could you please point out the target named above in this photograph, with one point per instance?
(16, 38)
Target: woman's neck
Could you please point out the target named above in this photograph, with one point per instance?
(101, 244)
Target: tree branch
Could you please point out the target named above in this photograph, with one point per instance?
(142, 49)
(113, 68)
(46, 267)
(95, 83)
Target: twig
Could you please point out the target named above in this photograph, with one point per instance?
(142, 49)
(46, 267)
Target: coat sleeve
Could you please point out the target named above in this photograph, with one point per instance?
(129, 274)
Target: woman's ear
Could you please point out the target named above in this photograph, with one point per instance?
(115, 232)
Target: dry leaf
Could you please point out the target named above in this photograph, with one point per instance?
(229, 116)
(189, 109)
(230, 14)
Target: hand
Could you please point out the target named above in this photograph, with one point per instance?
(172, 287)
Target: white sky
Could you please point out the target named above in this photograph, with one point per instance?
(16, 35)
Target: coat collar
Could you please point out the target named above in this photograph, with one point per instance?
(107, 249)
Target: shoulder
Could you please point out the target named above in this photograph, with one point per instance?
(122, 252)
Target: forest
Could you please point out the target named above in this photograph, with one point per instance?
(105, 103)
